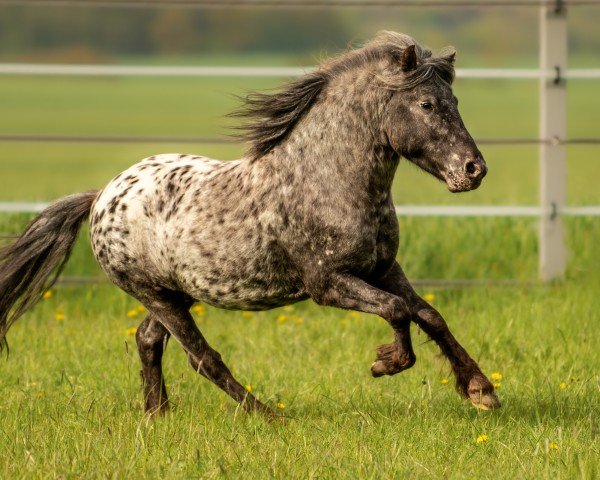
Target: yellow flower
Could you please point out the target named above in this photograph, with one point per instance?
(297, 320)
(141, 309)
(482, 438)
(248, 388)
(429, 297)
(199, 309)
(47, 294)
(288, 308)
(354, 314)
(497, 384)
(280, 405)
(496, 376)
(553, 446)
(132, 313)
(443, 381)
(59, 316)
(562, 385)
(247, 314)
(282, 318)
(130, 331)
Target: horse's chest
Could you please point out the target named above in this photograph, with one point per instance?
(352, 246)
(374, 243)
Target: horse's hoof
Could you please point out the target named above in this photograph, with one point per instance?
(481, 393)
(486, 401)
(379, 369)
(278, 419)
(272, 417)
(391, 361)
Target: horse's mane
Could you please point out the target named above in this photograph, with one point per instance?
(273, 116)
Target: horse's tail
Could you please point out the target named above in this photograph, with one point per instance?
(31, 265)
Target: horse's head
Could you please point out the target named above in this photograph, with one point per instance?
(421, 120)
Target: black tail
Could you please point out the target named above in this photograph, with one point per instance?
(34, 261)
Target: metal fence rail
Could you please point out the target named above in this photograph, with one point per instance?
(405, 210)
(233, 71)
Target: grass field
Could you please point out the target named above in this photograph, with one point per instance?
(71, 399)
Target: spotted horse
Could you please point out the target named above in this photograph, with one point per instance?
(306, 213)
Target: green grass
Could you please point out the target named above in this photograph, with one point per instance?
(71, 399)
(72, 406)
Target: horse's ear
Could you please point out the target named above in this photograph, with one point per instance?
(408, 59)
(450, 58)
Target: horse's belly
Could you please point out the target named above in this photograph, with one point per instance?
(234, 287)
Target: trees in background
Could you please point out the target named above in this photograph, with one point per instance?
(97, 34)
(111, 31)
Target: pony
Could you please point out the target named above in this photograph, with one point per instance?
(306, 213)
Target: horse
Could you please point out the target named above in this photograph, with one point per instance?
(307, 212)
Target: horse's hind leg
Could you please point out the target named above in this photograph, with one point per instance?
(203, 358)
(151, 339)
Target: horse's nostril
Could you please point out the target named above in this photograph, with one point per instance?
(471, 168)
(484, 170)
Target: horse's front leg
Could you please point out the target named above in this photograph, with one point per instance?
(470, 381)
(350, 292)
(399, 355)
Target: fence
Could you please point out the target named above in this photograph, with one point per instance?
(552, 74)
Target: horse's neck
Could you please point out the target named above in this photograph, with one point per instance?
(337, 152)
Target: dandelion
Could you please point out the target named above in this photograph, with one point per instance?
(443, 381)
(248, 388)
(132, 313)
(562, 385)
(553, 446)
(297, 320)
(59, 316)
(141, 309)
(199, 309)
(47, 294)
(497, 384)
(130, 331)
(482, 438)
(282, 318)
(280, 405)
(247, 314)
(429, 297)
(496, 376)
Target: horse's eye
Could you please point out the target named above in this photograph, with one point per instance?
(426, 105)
